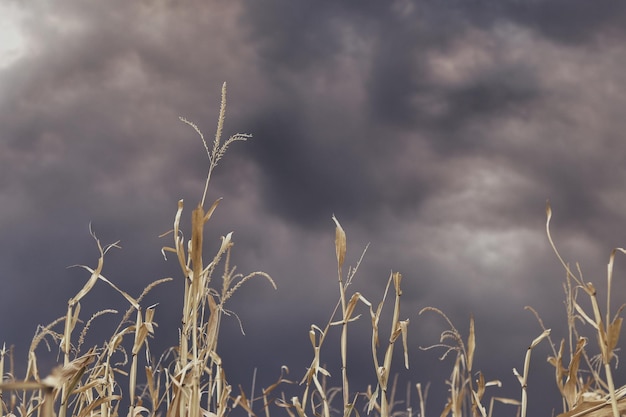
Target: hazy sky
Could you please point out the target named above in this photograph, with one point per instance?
(434, 130)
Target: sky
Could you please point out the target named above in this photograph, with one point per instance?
(435, 131)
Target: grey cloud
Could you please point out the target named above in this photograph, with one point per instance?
(569, 22)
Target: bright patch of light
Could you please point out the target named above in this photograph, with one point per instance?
(12, 42)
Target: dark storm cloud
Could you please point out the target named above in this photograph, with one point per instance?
(569, 22)
(294, 36)
(320, 163)
(309, 177)
(398, 82)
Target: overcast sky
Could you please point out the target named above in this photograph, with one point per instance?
(434, 130)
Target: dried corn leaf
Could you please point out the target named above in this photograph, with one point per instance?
(242, 401)
(340, 243)
(539, 338)
(585, 316)
(98, 402)
(90, 282)
(595, 409)
(570, 388)
(397, 280)
(478, 405)
(95, 275)
(71, 318)
(211, 209)
(179, 248)
(70, 373)
(613, 336)
(404, 326)
(480, 386)
(373, 400)
(351, 306)
(471, 345)
(152, 388)
(197, 236)
(508, 401)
